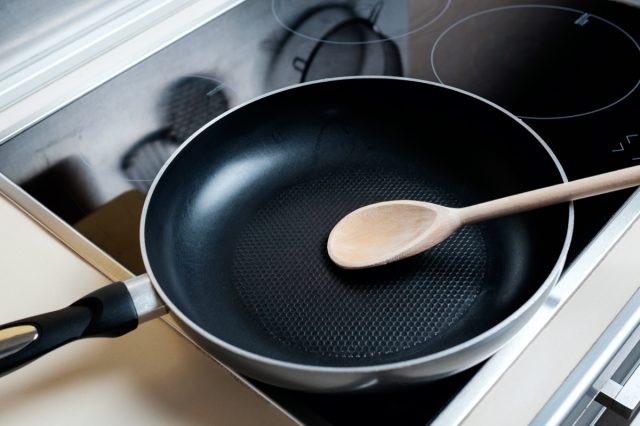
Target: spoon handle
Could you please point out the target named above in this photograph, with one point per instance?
(563, 192)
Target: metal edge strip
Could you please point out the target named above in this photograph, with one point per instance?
(101, 261)
(78, 77)
(110, 29)
(461, 406)
(586, 374)
(55, 226)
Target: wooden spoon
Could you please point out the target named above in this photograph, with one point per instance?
(381, 233)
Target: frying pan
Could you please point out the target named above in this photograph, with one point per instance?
(234, 230)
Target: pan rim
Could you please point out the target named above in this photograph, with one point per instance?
(496, 330)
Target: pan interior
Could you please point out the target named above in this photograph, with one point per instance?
(316, 307)
(236, 228)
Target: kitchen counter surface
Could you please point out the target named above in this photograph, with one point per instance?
(151, 376)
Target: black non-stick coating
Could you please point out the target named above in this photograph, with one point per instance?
(236, 228)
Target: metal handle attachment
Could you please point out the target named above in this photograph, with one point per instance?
(106, 312)
(622, 399)
(16, 338)
(110, 311)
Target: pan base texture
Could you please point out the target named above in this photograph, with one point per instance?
(287, 282)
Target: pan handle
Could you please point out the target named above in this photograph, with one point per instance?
(110, 311)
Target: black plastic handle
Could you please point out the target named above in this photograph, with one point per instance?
(106, 312)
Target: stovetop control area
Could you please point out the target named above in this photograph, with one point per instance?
(569, 69)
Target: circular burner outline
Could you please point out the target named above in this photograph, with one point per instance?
(541, 6)
(288, 28)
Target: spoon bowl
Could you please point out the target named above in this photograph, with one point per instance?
(381, 233)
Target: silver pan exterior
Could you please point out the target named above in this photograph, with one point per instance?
(338, 379)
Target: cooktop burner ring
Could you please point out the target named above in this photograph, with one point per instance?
(582, 19)
(388, 35)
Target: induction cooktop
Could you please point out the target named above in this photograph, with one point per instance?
(569, 69)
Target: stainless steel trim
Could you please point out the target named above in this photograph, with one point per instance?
(624, 400)
(147, 302)
(111, 26)
(63, 231)
(486, 378)
(595, 369)
(74, 69)
(14, 339)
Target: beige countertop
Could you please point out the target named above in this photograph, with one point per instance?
(151, 376)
